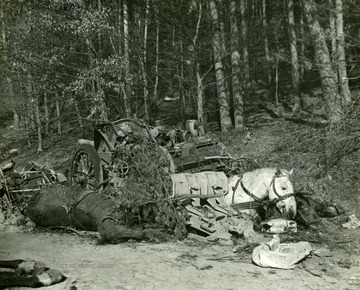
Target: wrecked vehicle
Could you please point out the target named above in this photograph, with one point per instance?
(125, 176)
(199, 197)
(20, 183)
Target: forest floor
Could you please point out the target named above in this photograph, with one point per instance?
(195, 263)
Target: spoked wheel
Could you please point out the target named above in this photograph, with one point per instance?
(85, 169)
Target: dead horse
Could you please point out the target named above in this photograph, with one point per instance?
(21, 273)
(61, 205)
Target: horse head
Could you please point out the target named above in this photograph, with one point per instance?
(281, 192)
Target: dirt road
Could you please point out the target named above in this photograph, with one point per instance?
(171, 265)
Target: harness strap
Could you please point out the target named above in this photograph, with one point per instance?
(248, 204)
(257, 201)
(279, 197)
(250, 194)
(234, 189)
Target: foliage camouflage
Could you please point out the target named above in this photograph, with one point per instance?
(145, 193)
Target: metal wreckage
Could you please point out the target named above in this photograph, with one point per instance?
(196, 171)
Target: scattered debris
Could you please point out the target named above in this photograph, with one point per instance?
(279, 226)
(353, 222)
(282, 256)
(17, 184)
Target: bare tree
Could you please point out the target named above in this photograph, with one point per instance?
(302, 45)
(239, 121)
(294, 56)
(8, 84)
(156, 65)
(332, 29)
(127, 87)
(266, 43)
(245, 42)
(143, 62)
(199, 78)
(58, 114)
(343, 79)
(35, 103)
(225, 120)
(328, 77)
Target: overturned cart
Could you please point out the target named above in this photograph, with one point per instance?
(202, 196)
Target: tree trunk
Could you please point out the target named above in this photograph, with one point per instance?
(46, 115)
(245, 43)
(225, 120)
(343, 79)
(143, 63)
(294, 56)
(223, 44)
(74, 103)
(266, 43)
(332, 30)
(156, 83)
(328, 77)
(127, 88)
(199, 79)
(239, 121)
(6, 74)
(302, 45)
(181, 82)
(58, 114)
(99, 36)
(120, 27)
(36, 107)
(14, 105)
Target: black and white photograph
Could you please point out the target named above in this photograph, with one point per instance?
(180, 144)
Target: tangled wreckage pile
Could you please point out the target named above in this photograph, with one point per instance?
(132, 174)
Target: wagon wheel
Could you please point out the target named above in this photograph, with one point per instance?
(85, 168)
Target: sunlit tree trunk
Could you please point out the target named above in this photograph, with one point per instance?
(322, 57)
(199, 79)
(127, 88)
(156, 65)
(120, 29)
(332, 30)
(294, 56)
(143, 63)
(225, 120)
(266, 42)
(239, 121)
(220, 3)
(343, 79)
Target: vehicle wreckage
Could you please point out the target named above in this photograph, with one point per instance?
(197, 177)
(190, 180)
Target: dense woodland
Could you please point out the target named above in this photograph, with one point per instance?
(67, 64)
